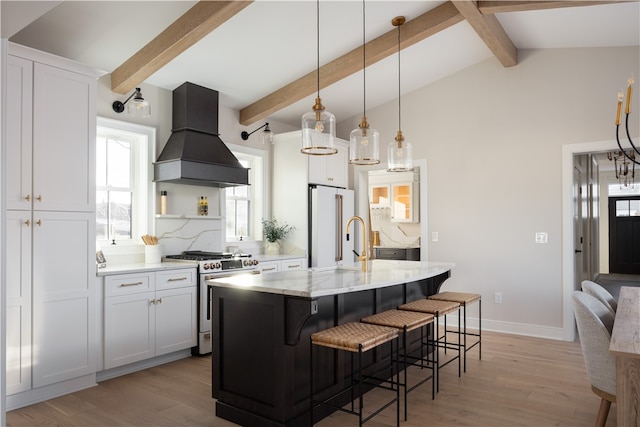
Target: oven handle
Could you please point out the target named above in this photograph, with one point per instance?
(222, 276)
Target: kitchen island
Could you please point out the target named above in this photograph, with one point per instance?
(262, 324)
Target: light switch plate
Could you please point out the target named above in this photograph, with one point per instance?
(541, 237)
(434, 236)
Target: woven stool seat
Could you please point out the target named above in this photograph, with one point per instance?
(459, 297)
(399, 319)
(437, 308)
(406, 321)
(465, 299)
(354, 336)
(357, 338)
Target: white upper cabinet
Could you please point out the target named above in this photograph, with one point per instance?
(19, 133)
(64, 134)
(331, 170)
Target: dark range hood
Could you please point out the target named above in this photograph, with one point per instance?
(194, 153)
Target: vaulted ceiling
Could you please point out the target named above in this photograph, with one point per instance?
(262, 55)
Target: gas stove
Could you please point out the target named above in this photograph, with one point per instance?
(213, 262)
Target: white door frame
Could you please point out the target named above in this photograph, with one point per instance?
(568, 255)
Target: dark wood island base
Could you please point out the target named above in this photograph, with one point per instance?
(260, 357)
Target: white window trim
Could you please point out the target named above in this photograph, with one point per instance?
(261, 207)
(145, 223)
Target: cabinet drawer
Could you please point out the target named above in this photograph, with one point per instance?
(294, 264)
(409, 254)
(124, 284)
(269, 267)
(175, 278)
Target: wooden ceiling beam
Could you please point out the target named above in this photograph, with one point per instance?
(501, 6)
(418, 29)
(196, 23)
(490, 31)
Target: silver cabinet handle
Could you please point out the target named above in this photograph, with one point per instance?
(178, 279)
(269, 269)
(294, 266)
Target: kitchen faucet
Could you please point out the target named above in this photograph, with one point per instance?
(365, 240)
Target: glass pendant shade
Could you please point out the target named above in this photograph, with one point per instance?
(364, 145)
(138, 107)
(266, 136)
(318, 131)
(400, 155)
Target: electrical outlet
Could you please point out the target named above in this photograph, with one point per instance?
(497, 298)
(434, 236)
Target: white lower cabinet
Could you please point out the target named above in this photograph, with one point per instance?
(267, 267)
(148, 315)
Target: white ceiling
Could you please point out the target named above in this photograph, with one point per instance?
(271, 43)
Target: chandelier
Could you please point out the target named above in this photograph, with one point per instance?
(622, 160)
(630, 156)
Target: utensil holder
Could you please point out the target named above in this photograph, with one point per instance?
(152, 254)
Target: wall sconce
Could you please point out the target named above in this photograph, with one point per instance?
(137, 107)
(266, 136)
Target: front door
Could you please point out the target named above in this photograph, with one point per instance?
(624, 235)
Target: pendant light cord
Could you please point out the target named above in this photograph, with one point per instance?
(318, 43)
(399, 104)
(364, 63)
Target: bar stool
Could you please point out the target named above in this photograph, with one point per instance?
(438, 309)
(406, 321)
(465, 299)
(358, 338)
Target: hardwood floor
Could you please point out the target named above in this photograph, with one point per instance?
(520, 381)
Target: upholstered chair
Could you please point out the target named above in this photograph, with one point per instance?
(598, 291)
(595, 324)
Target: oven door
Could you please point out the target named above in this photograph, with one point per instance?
(204, 307)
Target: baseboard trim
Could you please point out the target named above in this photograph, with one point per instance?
(29, 397)
(511, 328)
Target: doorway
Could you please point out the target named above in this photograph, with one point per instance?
(624, 235)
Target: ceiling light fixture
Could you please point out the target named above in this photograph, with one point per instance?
(621, 163)
(318, 125)
(627, 110)
(399, 152)
(364, 142)
(266, 136)
(137, 107)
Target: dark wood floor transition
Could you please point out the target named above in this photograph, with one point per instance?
(520, 381)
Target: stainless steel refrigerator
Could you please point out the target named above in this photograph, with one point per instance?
(329, 210)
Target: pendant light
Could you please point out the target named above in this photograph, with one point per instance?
(318, 125)
(364, 142)
(399, 152)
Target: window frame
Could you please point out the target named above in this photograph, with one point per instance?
(143, 197)
(259, 196)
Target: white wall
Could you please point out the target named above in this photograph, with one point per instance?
(493, 138)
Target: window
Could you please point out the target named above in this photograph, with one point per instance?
(124, 152)
(244, 205)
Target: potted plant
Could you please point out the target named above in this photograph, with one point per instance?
(273, 233)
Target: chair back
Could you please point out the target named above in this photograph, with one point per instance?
(595, 324)
(596, 290)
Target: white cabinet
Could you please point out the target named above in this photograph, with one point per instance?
(331, 170)
(64, 314)
(267, 267)
(50, 201)
(148, 314)
(18, 239)
(294, 264)
(397, 191)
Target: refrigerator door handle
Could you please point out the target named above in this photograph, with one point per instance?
(339, 218)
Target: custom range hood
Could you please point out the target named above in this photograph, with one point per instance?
(194, 153)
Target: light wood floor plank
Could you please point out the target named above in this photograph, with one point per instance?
(520, 381)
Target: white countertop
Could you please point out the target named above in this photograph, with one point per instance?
(142, 267)
(314, 283)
